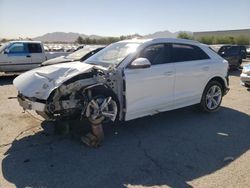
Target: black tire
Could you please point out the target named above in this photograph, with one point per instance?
(204, 100)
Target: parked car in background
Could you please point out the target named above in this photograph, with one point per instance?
(245, 76)
(248, 51)
(79, 47)
(127, 80)
(79, 55)
(17, 56)
(233, 54)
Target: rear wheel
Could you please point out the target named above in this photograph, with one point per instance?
(212, 97)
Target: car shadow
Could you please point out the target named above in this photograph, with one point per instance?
(7, 79)
(170, 148)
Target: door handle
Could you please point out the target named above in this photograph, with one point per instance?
(168, 73)
(28, 55)
(206, 68)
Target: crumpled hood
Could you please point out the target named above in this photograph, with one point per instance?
(57, 60)
(40, 82)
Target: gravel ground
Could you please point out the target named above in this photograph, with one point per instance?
(180, 148)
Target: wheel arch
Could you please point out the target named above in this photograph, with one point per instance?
(221, 80)
(100, 89)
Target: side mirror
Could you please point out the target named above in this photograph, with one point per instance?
(6, 51)
(140, 63)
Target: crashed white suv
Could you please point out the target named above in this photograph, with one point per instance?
(127, 80)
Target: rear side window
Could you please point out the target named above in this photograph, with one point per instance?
(34, 48)
(156, 54)
(186, 52)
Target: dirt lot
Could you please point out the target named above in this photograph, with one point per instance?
(181, 148)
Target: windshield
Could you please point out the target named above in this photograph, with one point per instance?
(79, 53)
(3, 47)
(113, 54)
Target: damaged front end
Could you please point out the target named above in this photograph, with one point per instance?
(91, 92)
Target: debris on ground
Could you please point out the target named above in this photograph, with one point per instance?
(94, 138)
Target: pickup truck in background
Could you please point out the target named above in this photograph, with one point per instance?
(19, 56)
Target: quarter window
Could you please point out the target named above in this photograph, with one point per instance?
(34, 48)
(156, 54)
(185, 52)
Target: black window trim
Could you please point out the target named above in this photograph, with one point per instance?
(139, 53)
(170, 44)
(192, 45)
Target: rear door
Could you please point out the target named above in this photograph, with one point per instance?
(193, 67)
(17, 58)
(37, 54)
(150, 90)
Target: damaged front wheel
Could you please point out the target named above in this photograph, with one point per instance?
(101, 108)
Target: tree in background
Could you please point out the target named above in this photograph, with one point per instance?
(80, 40)
(184, 35)
(242, 40)
(224, 40)
(104, 40)
(4, 40)
(207, 40)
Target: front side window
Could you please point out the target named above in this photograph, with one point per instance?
(113, 54)
(34, 48)
(156, 54)
(186, 52)
(18, 48)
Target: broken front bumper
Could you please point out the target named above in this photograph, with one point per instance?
(30, 105)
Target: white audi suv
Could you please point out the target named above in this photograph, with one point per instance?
(127, 80)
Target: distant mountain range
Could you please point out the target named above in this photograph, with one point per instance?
(71, 37)
(63, 37)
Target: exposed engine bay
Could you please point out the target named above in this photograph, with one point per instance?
(97, 95)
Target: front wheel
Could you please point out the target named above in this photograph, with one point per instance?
(212, 97)
(102, 108)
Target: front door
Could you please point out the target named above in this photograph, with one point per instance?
(150, 90)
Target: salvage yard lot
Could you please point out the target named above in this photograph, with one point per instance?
(180, 148)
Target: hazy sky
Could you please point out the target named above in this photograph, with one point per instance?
(30, 18)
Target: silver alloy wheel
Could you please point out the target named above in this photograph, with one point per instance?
(101, 108)
(213, 97)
